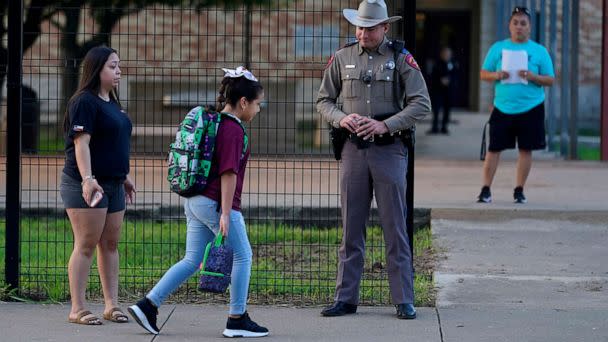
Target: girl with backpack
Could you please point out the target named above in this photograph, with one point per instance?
(217, 210)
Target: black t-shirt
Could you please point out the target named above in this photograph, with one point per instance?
(110, 130)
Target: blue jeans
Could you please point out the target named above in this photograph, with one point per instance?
(203, 224)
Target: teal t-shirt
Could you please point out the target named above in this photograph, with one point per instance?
(519, 98)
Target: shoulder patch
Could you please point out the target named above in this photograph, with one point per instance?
(409, 59)
(331, 59)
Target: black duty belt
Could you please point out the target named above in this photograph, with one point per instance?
(379, 139)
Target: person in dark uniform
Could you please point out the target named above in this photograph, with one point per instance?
(382, 96)
(443, 82)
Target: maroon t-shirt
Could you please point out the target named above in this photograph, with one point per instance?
(227, 157)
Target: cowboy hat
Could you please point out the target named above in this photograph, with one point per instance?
(369, 14)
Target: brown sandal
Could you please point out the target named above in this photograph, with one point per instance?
(85, 317)
(116, 315)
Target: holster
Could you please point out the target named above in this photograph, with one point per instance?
(408, 137)
(338, 137)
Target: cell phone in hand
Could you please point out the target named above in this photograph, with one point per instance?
(95, 199)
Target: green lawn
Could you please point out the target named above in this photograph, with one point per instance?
(584, 152)
(50, 141)
(291, 264)
(588, 153)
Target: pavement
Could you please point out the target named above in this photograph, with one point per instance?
(507, 272)
(538, 276)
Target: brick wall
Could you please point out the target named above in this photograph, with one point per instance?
(171, 45)
(590, 43)
(163, 44)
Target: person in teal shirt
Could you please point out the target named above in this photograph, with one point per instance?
(519, 96)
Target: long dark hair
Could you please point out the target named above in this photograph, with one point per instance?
(233, 89)
(92, 65)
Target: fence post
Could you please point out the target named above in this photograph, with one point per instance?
(553, 108)
(573, 123)
(409, 35)
(604, 119)
(248, 36)
(13, 137)
(565, 79)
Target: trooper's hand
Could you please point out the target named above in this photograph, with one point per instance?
(351, 122)
(369, 127)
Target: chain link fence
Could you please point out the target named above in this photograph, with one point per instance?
(171, 59)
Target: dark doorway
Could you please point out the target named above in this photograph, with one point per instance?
(435, 29)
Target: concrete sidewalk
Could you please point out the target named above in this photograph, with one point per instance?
(522, 276)
(35, 322)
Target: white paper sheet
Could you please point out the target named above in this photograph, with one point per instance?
(512, 62)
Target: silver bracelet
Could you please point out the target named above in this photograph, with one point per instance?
(86, 178)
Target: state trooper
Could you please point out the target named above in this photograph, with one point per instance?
(383, 94)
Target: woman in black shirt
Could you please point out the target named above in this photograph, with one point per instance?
(95, 183)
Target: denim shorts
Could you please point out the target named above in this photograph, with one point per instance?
(113, 194)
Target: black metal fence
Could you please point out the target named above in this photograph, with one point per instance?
(171, 59)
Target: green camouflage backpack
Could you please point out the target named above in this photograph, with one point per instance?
(191, 154)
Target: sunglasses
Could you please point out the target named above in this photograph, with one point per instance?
(520, 10)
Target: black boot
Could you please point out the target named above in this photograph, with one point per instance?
(339, 309)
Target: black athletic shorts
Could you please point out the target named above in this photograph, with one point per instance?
(113, 194)
(527, 128)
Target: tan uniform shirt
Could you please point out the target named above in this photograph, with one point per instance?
(346, 74)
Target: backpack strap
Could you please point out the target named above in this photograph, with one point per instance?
(245, 136)
(398, 47)
(349, 44)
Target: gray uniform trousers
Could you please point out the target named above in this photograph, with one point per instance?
(380, 170)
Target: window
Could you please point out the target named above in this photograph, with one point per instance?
(319, 40)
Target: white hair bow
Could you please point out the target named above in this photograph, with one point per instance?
(239, 72)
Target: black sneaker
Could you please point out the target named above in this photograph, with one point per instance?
(518, 195)
(485, 196)
(144, 313)
(243, 327)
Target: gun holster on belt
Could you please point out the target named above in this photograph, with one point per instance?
(406, 135)
(338, 137)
